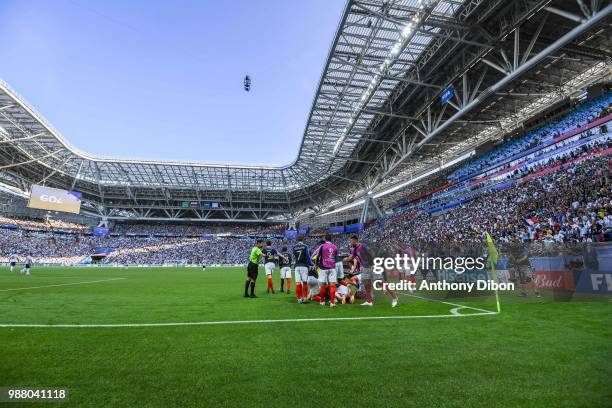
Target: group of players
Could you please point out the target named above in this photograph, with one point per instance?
(14, 260)
(319, 274)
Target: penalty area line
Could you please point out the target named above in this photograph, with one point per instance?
(62, 284)
(228, 322)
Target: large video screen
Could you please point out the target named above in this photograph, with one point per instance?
(54, 199)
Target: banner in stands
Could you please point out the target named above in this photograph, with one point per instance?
(100, 232)
(54, 199)
(303, 230)
(102, 252)
(336, 230)
(353, 228)
(291, 234)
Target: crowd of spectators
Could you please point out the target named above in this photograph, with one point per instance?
(74, 248)
(570, 205)
(186, 230)
(179, 250)
(52, 240)
(47, 224)
(579, 117)
(44, 247)
(472, 188)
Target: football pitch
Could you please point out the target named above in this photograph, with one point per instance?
(162, 337)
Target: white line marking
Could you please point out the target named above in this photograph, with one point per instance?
(317, 319)
(448, 303)
(454, 313)
(455, 310)
(62, 284)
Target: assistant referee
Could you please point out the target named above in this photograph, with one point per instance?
(252, 268)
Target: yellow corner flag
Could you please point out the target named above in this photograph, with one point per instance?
(493, 254)
(492, 264)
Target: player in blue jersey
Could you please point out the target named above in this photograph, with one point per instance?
(284, 263)
(270, 256)
(303, 262)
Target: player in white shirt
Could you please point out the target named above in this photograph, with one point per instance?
(313, 283)
(343, 292)
(28, 263)
(13, 261)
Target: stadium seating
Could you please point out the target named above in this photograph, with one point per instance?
(580, 117)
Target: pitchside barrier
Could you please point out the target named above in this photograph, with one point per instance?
(569, 273)
(584, 269)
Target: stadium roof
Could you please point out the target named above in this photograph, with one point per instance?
(375, 120)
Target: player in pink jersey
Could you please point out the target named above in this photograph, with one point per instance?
(326, 258)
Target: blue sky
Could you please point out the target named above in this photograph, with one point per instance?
(163, 80)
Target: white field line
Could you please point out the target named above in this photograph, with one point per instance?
(458, 306)
(62, 284)
(455, 310)
(454, 313)
(227, 322)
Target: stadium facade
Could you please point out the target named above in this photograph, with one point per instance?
(409, 87)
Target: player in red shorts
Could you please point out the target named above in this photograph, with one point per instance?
(326, 258)
(361, 258)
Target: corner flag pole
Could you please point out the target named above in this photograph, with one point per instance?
(492, 261)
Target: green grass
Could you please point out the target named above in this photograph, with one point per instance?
(532, 354)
